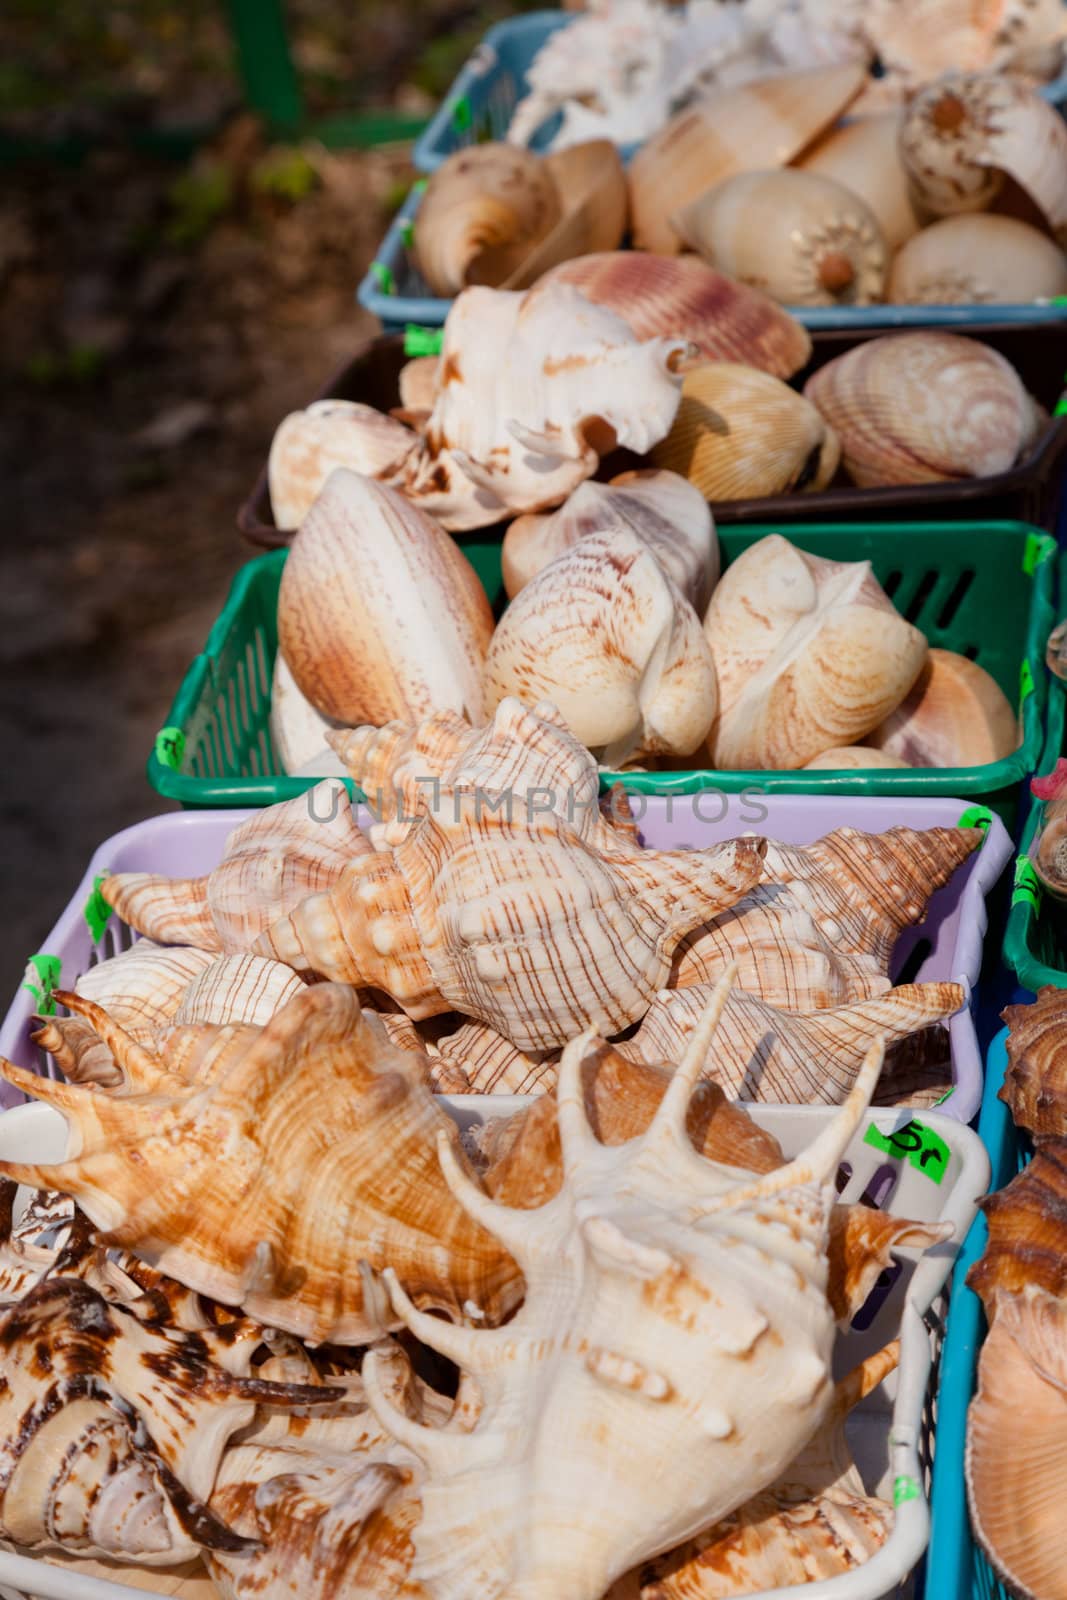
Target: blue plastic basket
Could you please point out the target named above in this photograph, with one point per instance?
(956, 1568)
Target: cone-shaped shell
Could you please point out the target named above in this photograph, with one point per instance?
(380, 614)
(864, 155)
(591, 184)
(923, 407)
(803, 238)
(604, 634)
(850, 758)
(963, 134)
(661, 508)
(809, 653)
(1035, 1084)
(740, 434)
(760, 124)
(297, 731)
(485, 208)
(955, 715)
(309, 445)
(682, 295)
(977, 258)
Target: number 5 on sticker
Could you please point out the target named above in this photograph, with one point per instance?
(915, 1143)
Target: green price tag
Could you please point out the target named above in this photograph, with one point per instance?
(383, 277)
(976, 817)
(41, 978)
(96, 910)
(916, 1143)
(905, 1489)
(170, 747)
(407, 233)
(1026, 681)
(419, 186)
(1039, 546)
(423, 341)
(461, 114)
(1061, 406)
(1027, 890)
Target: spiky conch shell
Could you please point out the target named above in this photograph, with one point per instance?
(605, 634)
(309, 445)
(485, 208)
(977, 258)
(954, 715)
(621, 1269)
(514, 903)
(1035, 1084)
(809, 653)
(271, 1185)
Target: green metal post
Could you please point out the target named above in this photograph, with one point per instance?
(271, 83)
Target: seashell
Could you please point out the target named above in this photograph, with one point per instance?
(964, 134)
(270, 863)
(740, 434)
(515, 903)
(1048, 847)
(380, 614)
(821, 927)
(664, 296)
(767, 1054)
(269, 1186)
(297, 731)
(591, 183)
(490, 1064)
(863, 1243)
(417, 383)
(917, 40)
(955, 715)
(1026, 1232)
(240, 988)
(1035, 1084)
(622, 1270)
(809, 654)
(604, 633)
(34, 1242)
(864, 156)
(664, 511)
(485, 208)
(802, 238)
(923, 407)
(850, 757)
(309, 445)
(762, 124)
(977, 258)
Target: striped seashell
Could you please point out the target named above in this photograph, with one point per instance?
(1035, 1084)
(490, 1064)
(238, 988)
(309, 445)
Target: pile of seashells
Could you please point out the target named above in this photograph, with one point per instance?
(270, 1314)
(959, 196)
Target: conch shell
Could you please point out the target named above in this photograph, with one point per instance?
(863, 155)
(1035, 1084)
(1048, 847)
(923, 407)
(309, 445)
(964, 134)
(485, 209)
(761, 124)
(977, 258)
(955, 715)
(664, 511)
(650, 1295)
(800, 237)
(380, 614)
(809, 653)
(604, 633)
(740, 434)
(268, 1187)
(670, 295)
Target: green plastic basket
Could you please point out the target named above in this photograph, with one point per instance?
(1035, 939)
(984, 589)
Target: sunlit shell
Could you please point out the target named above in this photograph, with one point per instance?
(977, 259)
(490, 1064)
(918, 40)
(740, 434)
(417, 385)
(955, 715)
(485, 208)
(1027, 1232)
(591, 184)
(864, 156)
(851, 757)
(297, 731)
(309, 445)
(1035, 1084)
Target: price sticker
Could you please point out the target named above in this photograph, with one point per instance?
(41, 979)
(976, 817)
(96, 910)
(422, 341)
(914, 1143)
(905, 1488)
(170, 747)
(1027, 887)
(383, 277)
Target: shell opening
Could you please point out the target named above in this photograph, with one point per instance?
(836, 272)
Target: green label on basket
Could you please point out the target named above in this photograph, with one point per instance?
(943, 1097)
(383, 277)
(1027, 890)
(1039, 547)
(419, 186)
(1061, 406)
(422, 341)
(407, 233)
(905, 1489)
(976, 817)
(461, 114)
(170, 747)
(916, 1143)
(96, 910)
(41, 978)
(1026, 680)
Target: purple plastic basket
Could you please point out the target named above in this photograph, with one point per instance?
(188, 843)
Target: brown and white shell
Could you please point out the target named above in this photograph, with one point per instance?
(484, 210)
(741, 434)
(809, 654)
(682, 296)
(591, 183)
(801, 237)
(297, 731)
(955, 715)
(864, 155)
(604, 633)
(927, 406)
(977, 258)
(309, 445)
(1035, 1084)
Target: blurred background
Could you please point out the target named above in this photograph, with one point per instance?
(190, 191)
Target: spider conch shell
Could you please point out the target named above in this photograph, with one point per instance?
(513, 904)
(740, 434)
(297, 731)
(762, 124)
(309, 445)
(485, 208)
(617, 1342)
(604, 633)
(269, 1186)
(671, 295)
(270, 863)
(380, 614)
(852, 757)
(923, 407)
(965, 133)
(977, 258)
(864, 155)
(799, 236)
(955, 715)
(1035, 1084)
(809, 653)
(661, 508)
